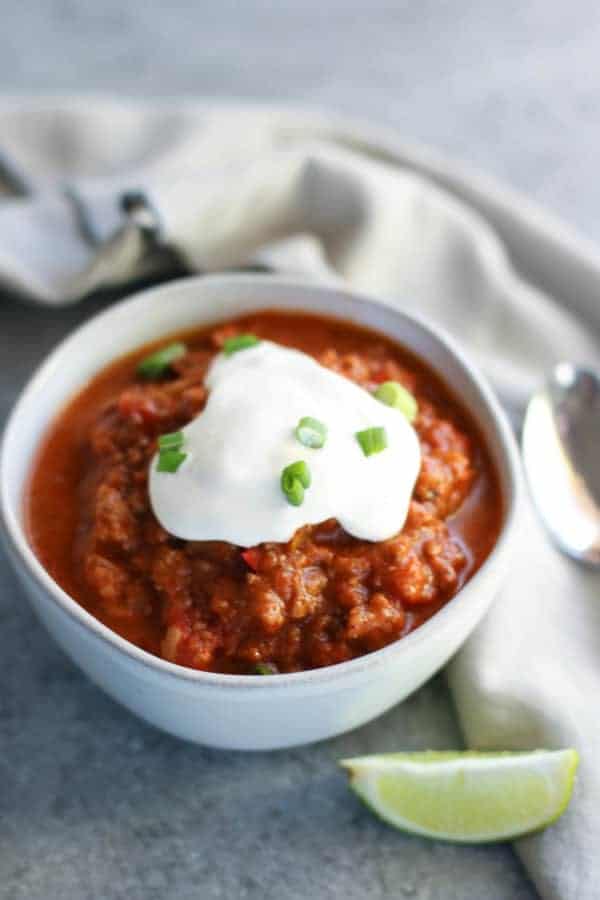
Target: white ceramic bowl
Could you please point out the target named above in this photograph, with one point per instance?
(241, 711)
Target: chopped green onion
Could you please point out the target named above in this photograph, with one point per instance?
(294, 479)
(311, 432)
(265, 669)
(392, 393)
(170, 455)
(298, 470)
(293, 490)
(171, 441)
(372, 440)
(170, 460)
(239, 342)
(158, 363)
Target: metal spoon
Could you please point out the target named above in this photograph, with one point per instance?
(561, 452)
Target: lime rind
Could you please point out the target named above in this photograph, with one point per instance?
(469, 797)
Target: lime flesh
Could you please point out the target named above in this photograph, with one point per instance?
(468, 797)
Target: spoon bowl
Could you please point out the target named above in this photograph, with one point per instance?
(561, 454)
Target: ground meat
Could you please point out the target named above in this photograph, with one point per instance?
(324, 596)
(320, 599)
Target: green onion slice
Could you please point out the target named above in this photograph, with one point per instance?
(159, 363)
(170, 460)
(265, 669)
(293, 490)
(392, 393)
(295, 478)
(311, 432)
(372, 440)
(171, 441)
(298, 470)
(239, 342)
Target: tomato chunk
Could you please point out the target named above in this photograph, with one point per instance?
(251, 557)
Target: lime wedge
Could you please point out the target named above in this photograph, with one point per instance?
(468, 797)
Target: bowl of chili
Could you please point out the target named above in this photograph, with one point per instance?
(258, 644)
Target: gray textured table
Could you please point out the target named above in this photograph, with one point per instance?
(94, 804)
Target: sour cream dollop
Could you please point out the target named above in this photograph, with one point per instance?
(228, 487)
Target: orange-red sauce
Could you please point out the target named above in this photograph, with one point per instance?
(322, 598)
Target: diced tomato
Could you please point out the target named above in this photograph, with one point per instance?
(379, 377)
(251, 557)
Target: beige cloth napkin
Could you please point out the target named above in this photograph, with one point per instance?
(227, 187)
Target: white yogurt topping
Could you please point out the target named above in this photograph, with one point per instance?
(228, 487)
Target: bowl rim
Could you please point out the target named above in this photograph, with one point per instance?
(23, 555)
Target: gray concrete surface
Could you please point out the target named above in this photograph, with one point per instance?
(95, 805)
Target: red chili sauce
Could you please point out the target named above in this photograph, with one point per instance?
(320, 599)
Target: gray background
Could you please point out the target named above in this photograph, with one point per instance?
(94, 804)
